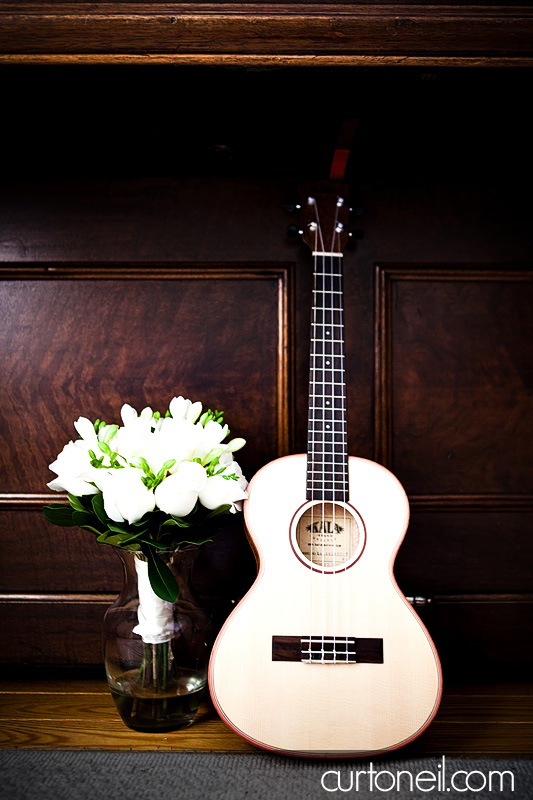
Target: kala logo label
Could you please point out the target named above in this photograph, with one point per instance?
(325, 526)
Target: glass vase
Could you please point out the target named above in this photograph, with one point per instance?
(157, 677)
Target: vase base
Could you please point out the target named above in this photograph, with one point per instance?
(158, 714)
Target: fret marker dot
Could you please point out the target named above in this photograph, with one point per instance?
(328, 426)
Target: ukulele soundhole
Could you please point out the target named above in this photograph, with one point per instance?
(328, 536)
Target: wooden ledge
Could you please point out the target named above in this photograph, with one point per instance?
(79, 714)
(331, 34)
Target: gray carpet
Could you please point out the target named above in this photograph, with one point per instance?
(127, 775)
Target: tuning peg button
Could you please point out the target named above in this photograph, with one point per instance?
(293, 231)
(290, 208)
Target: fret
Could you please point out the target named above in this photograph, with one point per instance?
(324, 477)
(327, 291)
(317, 415)
(327, 367)
(327, 310)
(329, 483)
(336, 476)
(325, 447)
(327, 450)
(329, 383)
(320, 419)
(329, 397)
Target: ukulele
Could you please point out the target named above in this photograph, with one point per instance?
(324, 656)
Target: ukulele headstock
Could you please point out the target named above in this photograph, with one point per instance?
(325, 216)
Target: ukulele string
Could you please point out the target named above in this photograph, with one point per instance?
(313, 432)
(339, 461)
(346, 539)
(335, 286)
(331, 363)
(320, 281)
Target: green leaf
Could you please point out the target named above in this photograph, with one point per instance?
(76, 503)
(98, 507)
(181, 523)
(118, 527)
(86, 519)
(161, 578)
(132, 537)
(114, 539)
(200, 539)
(217, 512)
(59, 515)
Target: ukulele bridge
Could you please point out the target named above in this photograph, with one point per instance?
(327, 649)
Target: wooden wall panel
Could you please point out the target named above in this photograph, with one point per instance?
(37, 557)
(454, 379)
(459, 552)
(483, 638)
(61, 630)
(81, 340)
(454, 411)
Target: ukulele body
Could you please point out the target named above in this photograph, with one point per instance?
(325, 661)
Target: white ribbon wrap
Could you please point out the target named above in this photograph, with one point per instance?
(156, 616)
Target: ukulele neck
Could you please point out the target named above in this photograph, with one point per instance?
(327, 451)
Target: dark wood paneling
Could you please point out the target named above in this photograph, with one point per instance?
(81, 340)
(454, 379)
(244, 32)
(453, 421)
(66, 629)
(481, 638)
(458, 552)
(37, 557)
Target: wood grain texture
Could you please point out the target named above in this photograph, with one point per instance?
(371, 707)
(61, 364)
(490, 719)
(453, 375)
(144, 334)
(266, 29)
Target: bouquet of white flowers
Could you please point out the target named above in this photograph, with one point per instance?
(154, 483)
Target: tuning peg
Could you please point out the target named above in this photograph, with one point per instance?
(293, 231)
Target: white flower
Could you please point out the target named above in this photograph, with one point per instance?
(135, 439)
(178, 440)
(73, 470)
(235, 444)
(209, 438)
(128, 414)
(180, 408)
(178, 493)
(220, 491)
(126, 498)
(87, 432)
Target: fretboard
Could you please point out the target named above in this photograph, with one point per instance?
(327, 452)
